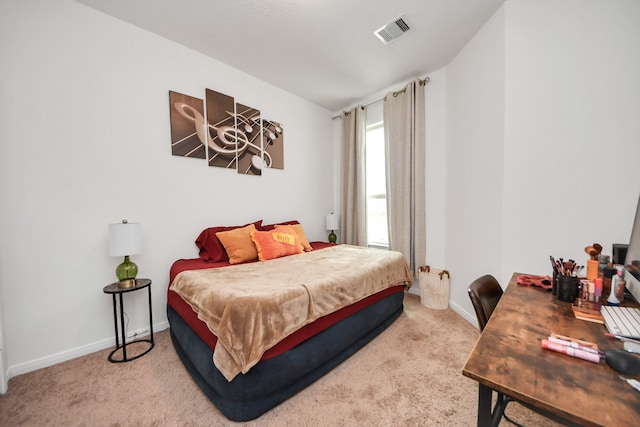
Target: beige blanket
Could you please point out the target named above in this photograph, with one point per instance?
(251, 307)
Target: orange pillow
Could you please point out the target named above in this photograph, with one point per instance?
(238, 244)
(276, 243)
(300, 232)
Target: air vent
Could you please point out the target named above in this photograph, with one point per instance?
(392, 30)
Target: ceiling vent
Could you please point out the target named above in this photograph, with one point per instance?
(392, 30)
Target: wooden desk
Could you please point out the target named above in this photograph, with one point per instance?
(508, 358)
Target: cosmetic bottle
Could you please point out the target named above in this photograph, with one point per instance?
(603, 262)
(592, 269)
(598, 289)
(591, 288)
(608, 273)
(617, 287)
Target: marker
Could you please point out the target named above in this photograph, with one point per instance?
(573, 352)
(576, 345)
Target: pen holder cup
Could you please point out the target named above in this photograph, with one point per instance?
(568, 288)
(554, 287)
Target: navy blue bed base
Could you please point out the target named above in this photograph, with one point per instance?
(274, 380)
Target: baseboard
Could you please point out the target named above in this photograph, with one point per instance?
(54, 359)
(415, 290)
(469, 317)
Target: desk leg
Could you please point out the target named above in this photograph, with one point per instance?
(484, 406)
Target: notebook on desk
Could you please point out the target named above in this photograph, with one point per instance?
(623, 321)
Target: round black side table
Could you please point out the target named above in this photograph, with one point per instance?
(114, 290)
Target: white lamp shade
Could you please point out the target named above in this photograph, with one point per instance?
(332, 222)
(125, 238)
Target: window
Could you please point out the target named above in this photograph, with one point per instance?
(377, 234)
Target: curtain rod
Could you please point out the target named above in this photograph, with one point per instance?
(422, 82)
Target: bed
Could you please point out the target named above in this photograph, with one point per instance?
(254, 333)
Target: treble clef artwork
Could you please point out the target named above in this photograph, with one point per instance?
(188, 137)
(251, 158)
(233, 136)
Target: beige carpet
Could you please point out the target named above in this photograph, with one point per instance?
(408, 376)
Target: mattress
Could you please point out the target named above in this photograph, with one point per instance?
(272, 381)
(286, 368)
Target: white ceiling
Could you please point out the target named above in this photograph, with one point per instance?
(321, 50)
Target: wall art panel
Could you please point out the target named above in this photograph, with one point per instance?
(188, 128)
(273, 134)
(249, 141)
(221, 130)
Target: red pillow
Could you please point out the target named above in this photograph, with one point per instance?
(211, 249)
(276, 243)
(270, 227)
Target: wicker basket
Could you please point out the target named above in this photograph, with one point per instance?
(434, 287)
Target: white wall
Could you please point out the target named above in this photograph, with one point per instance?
(572, 135)
(474, 161)
(561, 78)
(84, 125)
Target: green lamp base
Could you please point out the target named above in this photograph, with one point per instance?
(332, 237)
(126, 273)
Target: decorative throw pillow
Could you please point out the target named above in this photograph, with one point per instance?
(210, 247)
(276, 243)
(238, 244)
(300, 232)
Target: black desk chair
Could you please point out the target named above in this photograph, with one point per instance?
(485, 292)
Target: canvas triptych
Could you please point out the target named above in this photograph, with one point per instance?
(226, 133)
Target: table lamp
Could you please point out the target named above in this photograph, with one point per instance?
(332, 223)
(125, 239)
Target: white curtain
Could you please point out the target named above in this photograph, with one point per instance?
(404, 133)
(353, 204)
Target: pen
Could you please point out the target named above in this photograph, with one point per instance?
(621, 338)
